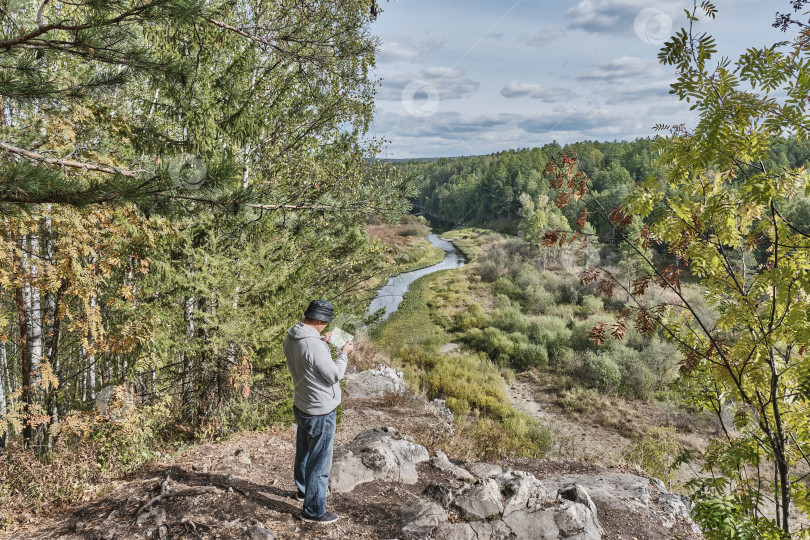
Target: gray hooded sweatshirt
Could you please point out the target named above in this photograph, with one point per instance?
(315, 376)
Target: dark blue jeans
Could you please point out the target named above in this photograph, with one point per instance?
(313, 458)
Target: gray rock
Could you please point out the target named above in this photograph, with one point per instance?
(421, 518)
(377, 454)
(578, 494)
(522, 490)
(440, 407)
(485, 470)
(527, 524)
(481, 500)
(260, 533)
(442, 463)
(577, 519)
(374, 383)
(629, 493)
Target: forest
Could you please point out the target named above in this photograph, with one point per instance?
(179, 178)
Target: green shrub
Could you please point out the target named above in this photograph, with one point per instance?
(591, 305)
(582, 329)
(510, 320)
(471, 317)
(516, 435)
(600, 371)
(501, 301)
(507, 287)
(564, 313)
(537, 300)
(530, 354)
(527, 277)
(472, 381)
(499, 346)
(488, 271)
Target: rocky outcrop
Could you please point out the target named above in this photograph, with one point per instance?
(442, 463)
(513, 505)
(374, 383)
(629, 493)
(377, 454)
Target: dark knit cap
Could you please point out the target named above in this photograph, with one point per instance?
(319, 310)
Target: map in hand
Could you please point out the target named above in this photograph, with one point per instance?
(340, 338)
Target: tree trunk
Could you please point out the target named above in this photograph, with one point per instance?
(22, 320)
(187, 364)
(35, 307)
(3, 401)
(90, 394)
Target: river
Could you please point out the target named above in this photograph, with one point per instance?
(390, 296)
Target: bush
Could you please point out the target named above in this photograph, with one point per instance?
(515, 435)
(591, 305)
(600, 371)
(488, 271)
(537, 299)
(527, 277)
(470, 317)
(581, 330)
(507, 287)
(415, 229)
(530, 354)
(510, 320)
(466, 382)
(501, 301)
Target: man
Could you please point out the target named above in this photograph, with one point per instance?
(317, 395)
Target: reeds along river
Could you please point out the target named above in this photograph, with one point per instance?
(390, 296)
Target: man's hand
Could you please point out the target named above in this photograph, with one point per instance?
(327, 336)
(348, 348)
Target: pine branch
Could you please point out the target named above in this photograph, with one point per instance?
(69, 163)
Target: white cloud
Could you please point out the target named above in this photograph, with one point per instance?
(395, 49)
(618, 16)
(623, 70)
(554, 94)
(446, 82)
(544, 37)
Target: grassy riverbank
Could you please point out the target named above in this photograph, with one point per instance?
(474, 388)
(405, 249)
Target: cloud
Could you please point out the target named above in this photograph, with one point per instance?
(402, 49)
(636, 94)
(555, 94)
(445, 82)
(617, 16)
(579, 120)
(622, 70)
(544, 37)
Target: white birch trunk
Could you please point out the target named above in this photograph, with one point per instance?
(34, 307)
(91, 362)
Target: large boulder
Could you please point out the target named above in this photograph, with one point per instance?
(420, 518)
(374, 383)
(380, 454)
(621, 492)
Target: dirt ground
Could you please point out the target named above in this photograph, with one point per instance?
(227, 489)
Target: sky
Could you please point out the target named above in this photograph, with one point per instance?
(470, 77)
